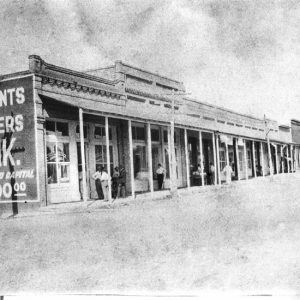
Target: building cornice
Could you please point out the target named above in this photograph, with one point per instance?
(75, 86)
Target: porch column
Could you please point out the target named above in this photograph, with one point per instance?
(150, 171)
(288, 158)
(262, 159)
(276, 159)
(237, 158)
(201, 156)
(246, 161)
(227, 154)
(84, 186)
(282, 160)
(169, 157)
(253, 155)
(270, 157)
(187, 159)
(215, 159)
(131, 159)
(218, 159)
(292, 158)
(162, 148)
(172, 155)
(108, 157)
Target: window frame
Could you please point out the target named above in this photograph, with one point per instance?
(53, 137)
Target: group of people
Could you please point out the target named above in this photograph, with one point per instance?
(209, 177)
(102, 181)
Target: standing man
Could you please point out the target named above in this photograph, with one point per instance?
(227, 171)
(212, 171)
(160, 172)
(104, 183)
(97, 177)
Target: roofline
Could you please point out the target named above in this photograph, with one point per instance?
(284, 126)
(227, 109)
(71, 72)
(149, 72)
(16, 74)
(295, 121)
(97, 69)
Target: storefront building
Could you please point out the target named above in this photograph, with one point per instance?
(58, 126)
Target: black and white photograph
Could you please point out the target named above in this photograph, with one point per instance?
(149, 148)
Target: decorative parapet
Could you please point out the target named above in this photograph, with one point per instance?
(73, 80)
(79, 87)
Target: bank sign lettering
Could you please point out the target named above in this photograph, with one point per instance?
(18, 170)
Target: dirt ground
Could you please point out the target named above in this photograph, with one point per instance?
(241, 238)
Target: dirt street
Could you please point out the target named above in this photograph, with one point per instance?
(243, 238)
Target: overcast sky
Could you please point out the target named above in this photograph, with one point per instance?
(243, 55)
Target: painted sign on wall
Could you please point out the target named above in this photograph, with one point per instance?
(18, 163)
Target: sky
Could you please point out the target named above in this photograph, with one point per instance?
(242, 55)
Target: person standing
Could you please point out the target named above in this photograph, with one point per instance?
(122, 183)
(97, 177)
(227, 171)
(115, 183)
(105, 184)
(212, 171)
(160, 173)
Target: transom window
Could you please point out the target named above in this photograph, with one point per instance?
(138, 133)
(99, 132)
(57, 128)
(85, 131)
(154, 135)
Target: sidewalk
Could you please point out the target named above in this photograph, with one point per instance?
(95, 205)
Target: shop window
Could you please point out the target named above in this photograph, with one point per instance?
(58, 162)
(154, 135)
(249, 159)
(57, 128)
(241, 161)
(99, 132)
(138, 133)
(165, 136)
(101, 157)
(85, 131)
(140, 161)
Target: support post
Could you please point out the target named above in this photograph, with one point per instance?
(215, 159)
(218, 159)
(170, 158)
(108, 157)
(237, 158)
(262, 159)
(187, 159)
(81, 132)
(270, 156)
(253, 155)
(276, 160)
(162, 147)
(292, 158)
(150, 171)
(281, 158)
(288, 158)
(173, 176)
(246, 160)
(131, 159)
(201, 156)
(227, 154)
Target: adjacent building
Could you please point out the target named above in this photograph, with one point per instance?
(59, 125)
